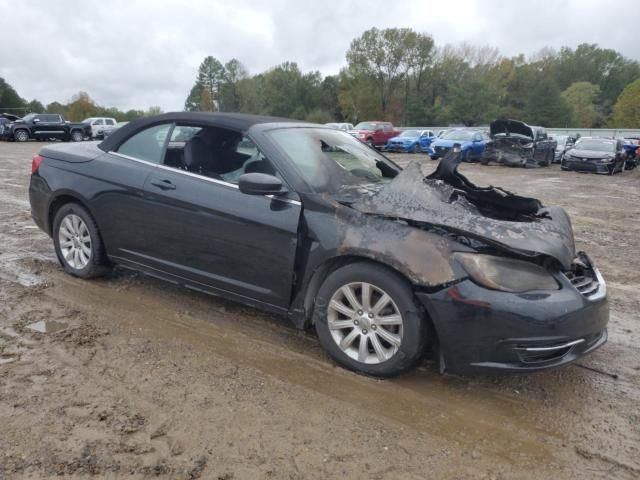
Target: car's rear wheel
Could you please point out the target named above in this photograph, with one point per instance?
(21, 135)
(415, 149)
(370, 143)
(78, 243)
(368, 321)
(77, 136)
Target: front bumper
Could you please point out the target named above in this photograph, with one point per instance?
(398, 147)
(582, 166)
(485, 331)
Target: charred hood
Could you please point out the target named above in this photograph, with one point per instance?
(510, 127)
(448, 200)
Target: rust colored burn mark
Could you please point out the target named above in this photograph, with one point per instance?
(457, 296)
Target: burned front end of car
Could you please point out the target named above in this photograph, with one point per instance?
(513, 143)
(497, 274)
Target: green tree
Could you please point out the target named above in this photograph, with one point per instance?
(10, 101)
(56, 107)
(581, 98)
(153, 110)
(626, 111)
(80, 107)
(211, 75)
(545, 106)
(234, 72)
(35, 106)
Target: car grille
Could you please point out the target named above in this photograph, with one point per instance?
(442, 150)
(584, 279)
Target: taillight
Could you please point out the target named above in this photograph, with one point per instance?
(35, 163)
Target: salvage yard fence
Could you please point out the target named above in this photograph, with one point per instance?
(584, 132)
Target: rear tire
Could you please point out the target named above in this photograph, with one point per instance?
(78, 243)
(376, 329)
(77, 136)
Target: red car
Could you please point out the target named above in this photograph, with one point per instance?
(374, 134)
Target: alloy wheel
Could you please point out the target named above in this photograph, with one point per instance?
(21, 136)
(75, 241)
(76, 136)
(365, 323)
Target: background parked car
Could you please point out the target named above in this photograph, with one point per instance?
(472, 144)
(597, 155)
(632, 148)
(5, 120)
(118, 125)
(45, 126)
(564, 143)
(413, 141)
(341, 126)
(100, 125)
(517, 144)
(375, 134)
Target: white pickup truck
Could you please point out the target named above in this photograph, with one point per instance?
(99, 125)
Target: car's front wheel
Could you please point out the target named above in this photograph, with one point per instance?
(21, 135)
(77, 242)
(368, 321)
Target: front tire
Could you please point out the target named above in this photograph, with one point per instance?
(367, 320)
(21, 135)
(78, 243)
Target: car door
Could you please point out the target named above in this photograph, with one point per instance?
(39, 127)
(117, 179)
(206, 231)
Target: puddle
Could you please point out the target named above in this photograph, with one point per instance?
(47, 326)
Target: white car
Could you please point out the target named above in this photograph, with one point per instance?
(340, 126)
(100, 125)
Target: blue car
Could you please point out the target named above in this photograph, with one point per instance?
(413, 141)
(472, 144)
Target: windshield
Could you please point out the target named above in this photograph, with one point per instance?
(460, 135)
(410, 133)
(596, 145)
(331, 160)
(365, 126)
(29, 117)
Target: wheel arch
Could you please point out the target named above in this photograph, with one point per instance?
(328, 266)
(59, 201)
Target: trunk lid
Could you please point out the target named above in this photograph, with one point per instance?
(72, 152)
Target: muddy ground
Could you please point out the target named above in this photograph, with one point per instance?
(136, 378)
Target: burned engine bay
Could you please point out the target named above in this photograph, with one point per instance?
(447, 201)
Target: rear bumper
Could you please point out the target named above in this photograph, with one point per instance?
(40, 199)
(484, 331)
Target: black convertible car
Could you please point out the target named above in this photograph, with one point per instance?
(308, 222)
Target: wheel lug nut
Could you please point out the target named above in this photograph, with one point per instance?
(364, 330)
(373, 327)
(359, 312)
(356, 322)
(370, 315)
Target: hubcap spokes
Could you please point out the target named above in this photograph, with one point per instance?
(365, 322)
(75, 241)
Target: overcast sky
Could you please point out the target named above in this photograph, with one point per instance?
(134, 54)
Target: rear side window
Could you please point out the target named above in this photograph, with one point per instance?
(147, 145)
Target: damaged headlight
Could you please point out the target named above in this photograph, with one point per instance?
(505, 274)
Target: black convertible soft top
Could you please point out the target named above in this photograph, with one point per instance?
(240, 122)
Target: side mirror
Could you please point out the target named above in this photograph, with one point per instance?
(36, 120)
(259, 184)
